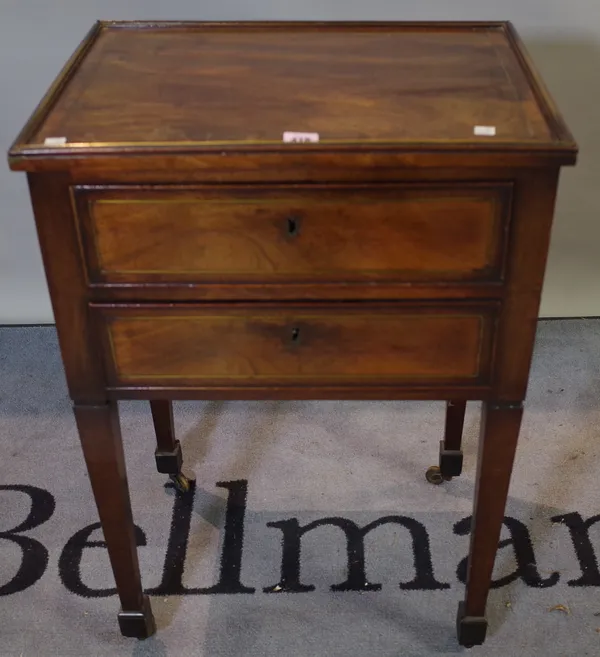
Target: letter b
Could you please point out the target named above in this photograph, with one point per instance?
(34, 555)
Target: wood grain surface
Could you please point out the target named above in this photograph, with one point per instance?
(351, 344)
(278, 234)
(158, 85)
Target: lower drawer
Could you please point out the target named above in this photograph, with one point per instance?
(245, 345)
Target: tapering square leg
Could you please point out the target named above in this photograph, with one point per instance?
(168, 454)
(500, 424)
(168, 450)
(451, 456)
(100, 436)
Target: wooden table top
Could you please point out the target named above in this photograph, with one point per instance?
(244, 84)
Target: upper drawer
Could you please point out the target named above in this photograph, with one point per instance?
(378, 233)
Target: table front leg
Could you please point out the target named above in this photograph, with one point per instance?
(500, 424)
(100, 436)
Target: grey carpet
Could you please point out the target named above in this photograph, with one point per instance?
(309, 461)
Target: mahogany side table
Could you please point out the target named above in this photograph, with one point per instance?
(296, 211)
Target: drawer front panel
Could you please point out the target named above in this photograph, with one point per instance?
(262, 344)
(399, 233)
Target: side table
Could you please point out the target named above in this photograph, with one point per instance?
(296, 211)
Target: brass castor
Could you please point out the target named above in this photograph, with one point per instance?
(434, 475)
(182, 483)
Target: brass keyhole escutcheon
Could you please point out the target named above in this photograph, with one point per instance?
(295, 334)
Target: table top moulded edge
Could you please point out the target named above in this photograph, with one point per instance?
(560, 150)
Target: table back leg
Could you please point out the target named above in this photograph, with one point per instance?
(169, 458)
(451, 456)
(168, 449)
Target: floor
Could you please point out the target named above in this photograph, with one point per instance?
(317, 466)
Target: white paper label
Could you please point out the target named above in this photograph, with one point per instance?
(485, 130)
(300, 137)
(55, 141)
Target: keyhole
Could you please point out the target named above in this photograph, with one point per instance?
(295, 334)
(292, 224)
